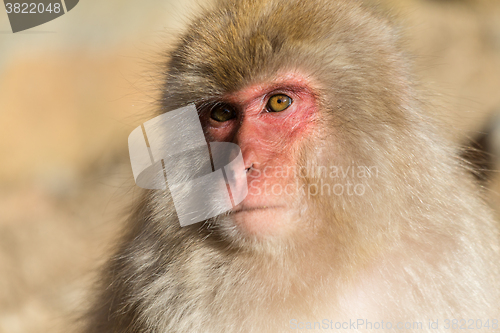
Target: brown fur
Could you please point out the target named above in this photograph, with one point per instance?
(419, 245)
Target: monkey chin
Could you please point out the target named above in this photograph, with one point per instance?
(257, 223)
(261, 222)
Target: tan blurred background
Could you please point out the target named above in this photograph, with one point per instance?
(72, 90)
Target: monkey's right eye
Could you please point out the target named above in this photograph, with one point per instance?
(278, 103)
(222, 113)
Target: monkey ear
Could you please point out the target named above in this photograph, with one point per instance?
(482, 152)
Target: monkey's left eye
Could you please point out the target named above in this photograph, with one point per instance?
(222, 113)
(278, 103)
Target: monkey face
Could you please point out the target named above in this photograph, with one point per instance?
(268, 121)
(291, 100)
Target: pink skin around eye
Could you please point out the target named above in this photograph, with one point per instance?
(269, 142)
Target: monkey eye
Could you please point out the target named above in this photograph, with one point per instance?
(222, 113)
(278, 103)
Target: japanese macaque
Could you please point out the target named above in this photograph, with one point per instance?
(359, 215)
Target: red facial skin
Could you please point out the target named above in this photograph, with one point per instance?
(268, 141)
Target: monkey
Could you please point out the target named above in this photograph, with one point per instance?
(359, 215)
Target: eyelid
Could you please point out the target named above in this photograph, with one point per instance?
(291, 91)
(206, 109)
(279, 92)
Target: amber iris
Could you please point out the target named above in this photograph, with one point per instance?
(222, 113)
(278, 103)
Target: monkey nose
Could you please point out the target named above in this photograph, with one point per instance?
(248, 169)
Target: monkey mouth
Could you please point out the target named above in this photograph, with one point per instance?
(252, 209)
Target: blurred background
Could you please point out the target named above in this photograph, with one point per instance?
(72, 90)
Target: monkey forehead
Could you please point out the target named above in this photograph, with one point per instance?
(292, 81)
(250, 40)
